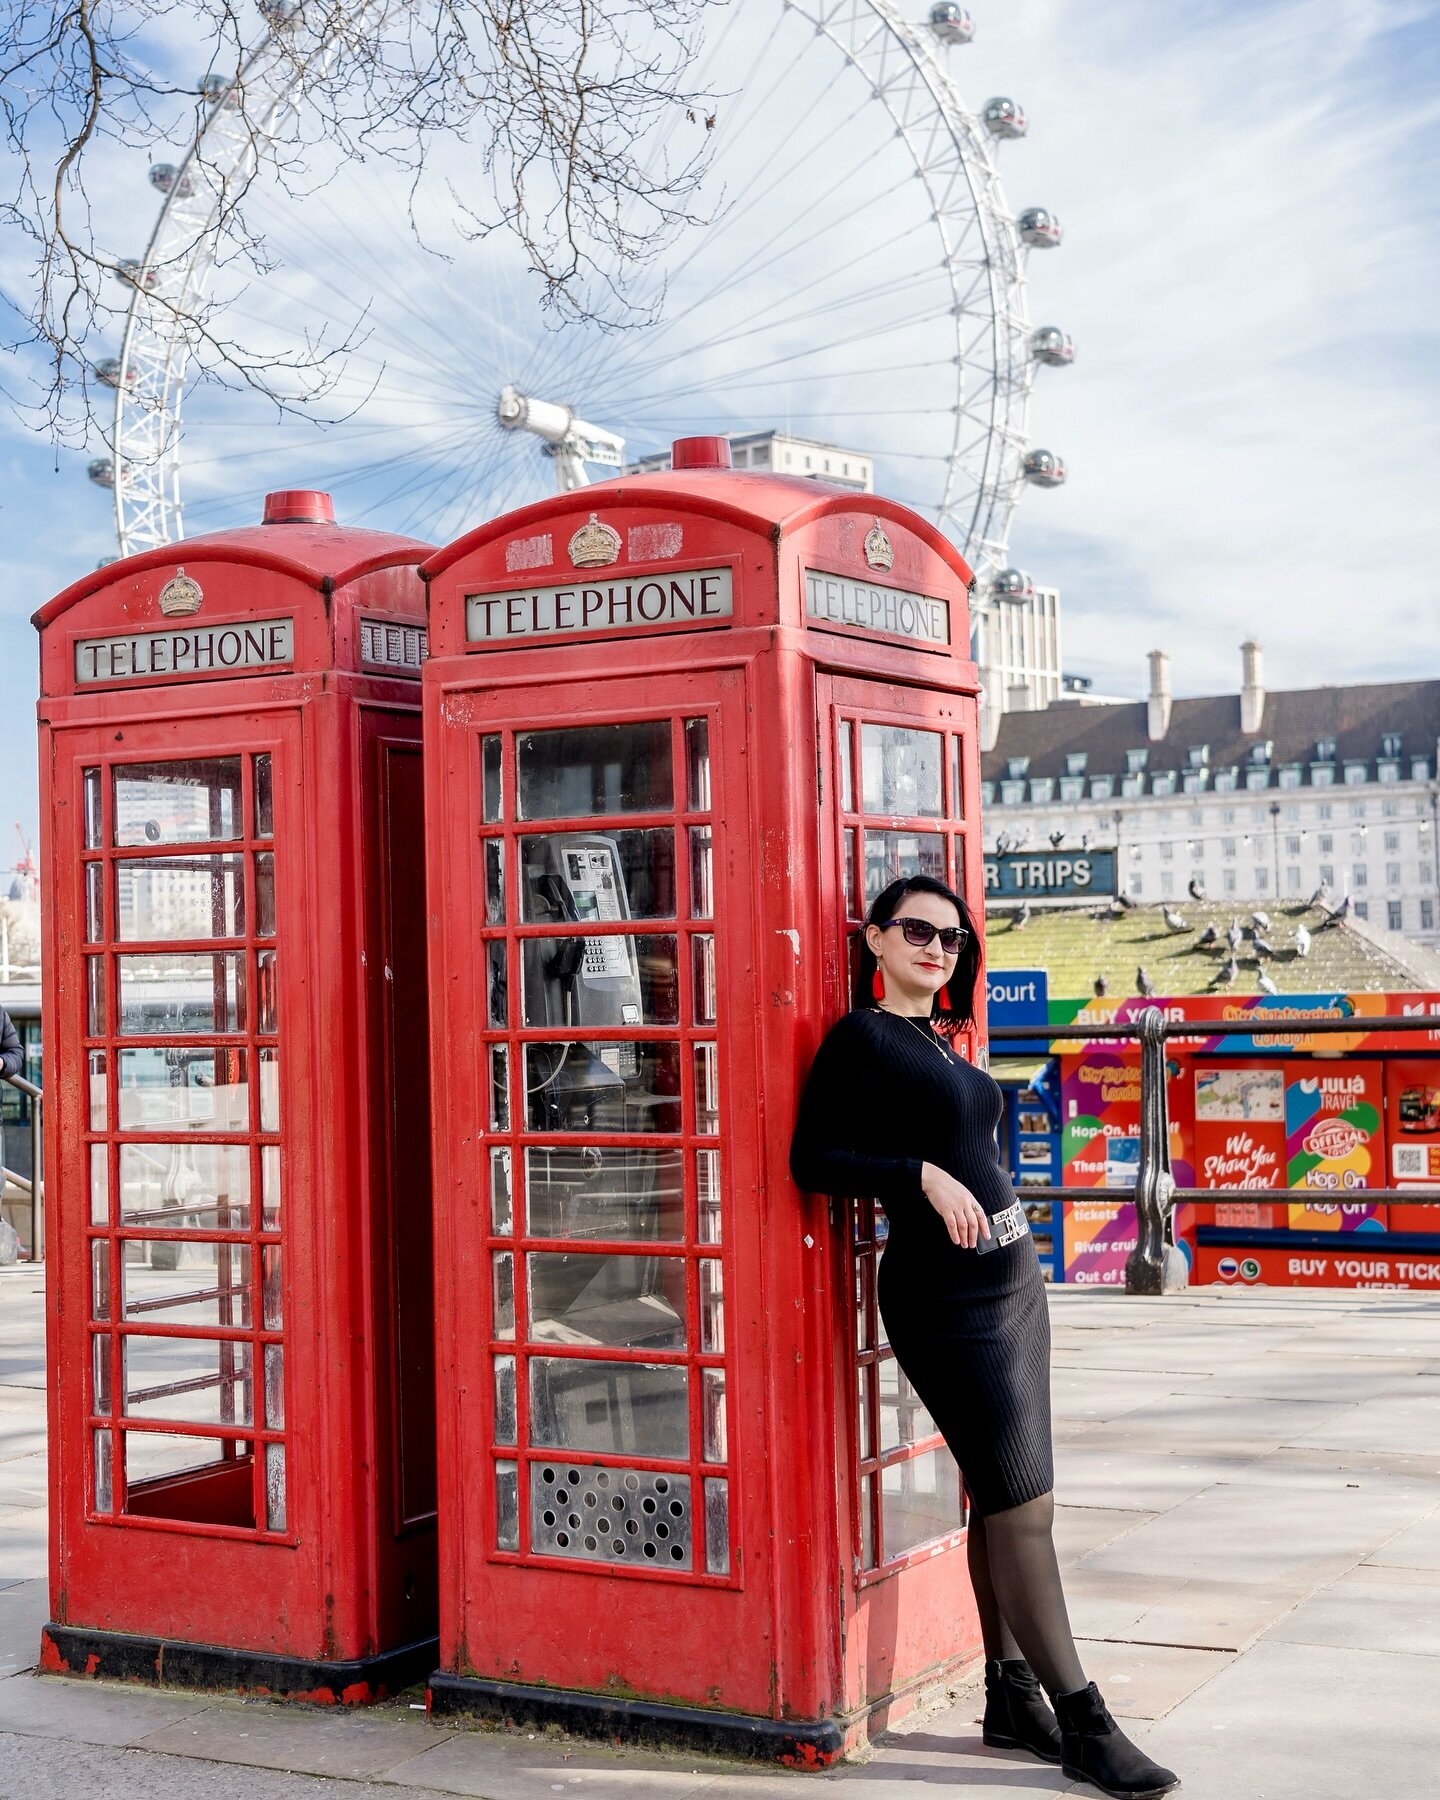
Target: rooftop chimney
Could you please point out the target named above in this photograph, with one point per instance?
(1017, 697)
(1252, 687)
(1159, 709)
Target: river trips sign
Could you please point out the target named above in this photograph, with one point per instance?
(1050, 875)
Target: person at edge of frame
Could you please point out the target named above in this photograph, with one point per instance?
(890, 1111)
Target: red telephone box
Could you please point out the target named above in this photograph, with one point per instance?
(241, 1352)
(677, 728)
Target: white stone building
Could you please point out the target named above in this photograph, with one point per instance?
(782, 453)
(1257, 797)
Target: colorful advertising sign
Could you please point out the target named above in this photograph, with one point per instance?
(1412, 1134)
(1263, 1008)
(1334, 1141)
(1371, 1267)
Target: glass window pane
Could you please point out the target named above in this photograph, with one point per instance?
(274, 1355)
(191, 802)
(505, 1401)
(702, 977)
(502, 1271)
(867, 1523)
(265, 893)
(185, 1187)
(94, 830)
(592, 771)
(100, 1278)
(846, 759)
(275, 1487)
(850, 846)
(270, 1187)
(584, 875)
(586, 1191)
(99, 1109)
(95, 996)
(499, 1087)
(507, 1506)
(94, 902)
(619, 979)
(201, 1381)
(490, 778)
(697, 765)
(497, 987)
(636, 1408)
(267, 985)
(104, 1471)
(903, 1420)
(864, 1268)
(707, 1195)
(180, 897)
(900, 771)
(702, 877)
(957, 780)
(707, 1090)
(100, 1374)
(179, 1088)
(921, 1501)
(717, 1525)
(99, 1186)
(269, 1089)
(598, 1086)
(864, 1412)
(712, 1307)
(891, 854)
(264, 796)
(620, 1302)
(156, 1455)
(272, 1287)
(712, 1410)
(173, 993)
(502, 1211)
(164, 1283)
(494, 881)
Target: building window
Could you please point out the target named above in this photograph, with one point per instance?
(1325, 749)
(1427, 874)
(1358, 809)
(1292, 815)
(1102, 787)
(1196, 816)
(1075, 761)
(1072, 787)
(1292, 879)
(1427, 915)
(1327, 844)
(1132, 786)
(1392, 874)
(1390, 744)
(1228, 880)
(1042, 790)
(1136, 882)
(1012, 793)
(1362, 909)
(1392, 915)
(1322, 774)
(1325, 810)
(1136, 760)
(1262, 881)
(1357, 843)
(1227, 846)
(1327, 875)
(1199, 755)
(1419, 768)
(1225, 781)
(1167, 853)
(1385, 770)
(1167, 883)
(1355, 773)
(1359, 876)
(1227, 815)
(1258, 777)
(987, 793)
(1390, 809)
(1017, 767)
(1392, 841)
(1197, 850)
(1163, 782)
(1290, 775)
(1292, 845)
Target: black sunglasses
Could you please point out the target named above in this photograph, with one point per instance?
(919, 932)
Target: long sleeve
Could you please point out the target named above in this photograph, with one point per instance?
(834, 1149)
(12, 1053)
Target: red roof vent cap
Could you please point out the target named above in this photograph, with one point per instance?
(700, 453)
(299, 506)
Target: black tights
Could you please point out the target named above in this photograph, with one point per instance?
(1019, 1595)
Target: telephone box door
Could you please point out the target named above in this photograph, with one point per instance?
(614, 1087)
(901, 768)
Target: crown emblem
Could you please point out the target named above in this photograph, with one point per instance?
(594, 545)
(180, 596)
(878, 551)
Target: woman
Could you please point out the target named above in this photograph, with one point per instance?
(890, 1111)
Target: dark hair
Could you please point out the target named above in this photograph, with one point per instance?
(961, 984)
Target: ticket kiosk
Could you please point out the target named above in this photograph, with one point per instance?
(236, 1080)
(678, 728)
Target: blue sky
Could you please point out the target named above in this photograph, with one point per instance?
(1250, 198)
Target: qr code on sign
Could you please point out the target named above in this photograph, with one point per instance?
(1409, 1162)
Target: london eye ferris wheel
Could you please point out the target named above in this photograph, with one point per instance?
(857, 278)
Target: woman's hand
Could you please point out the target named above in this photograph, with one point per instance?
(964, 1216)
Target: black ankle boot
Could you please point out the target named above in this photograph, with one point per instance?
(1016, 1716)
(1095, 1749)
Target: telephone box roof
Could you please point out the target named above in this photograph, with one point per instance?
(318, 552)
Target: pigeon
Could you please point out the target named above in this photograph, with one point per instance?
(1261, 919)
(1057, 838)
(1263, 947)
(1102, 987)
(1267, 986)
(1302, 941)
(1084, 840)
(1143, 983)
(1126, 900)
(1173, 919)
(1227, 974)
(1196, 891)
(1234, 935)
(1002, 843)
(1020, 918)
(1207, 937)
(1320, 896)
(1338, 914)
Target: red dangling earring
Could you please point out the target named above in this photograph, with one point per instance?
(943, 999)
(877, 984)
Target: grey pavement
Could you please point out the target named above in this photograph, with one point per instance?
(1249, 1518)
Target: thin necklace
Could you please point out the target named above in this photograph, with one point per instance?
(927, 1032)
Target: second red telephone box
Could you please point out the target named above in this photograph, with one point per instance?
(677, 729)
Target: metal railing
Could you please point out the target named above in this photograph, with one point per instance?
(1156, 1265)
(35, 1186)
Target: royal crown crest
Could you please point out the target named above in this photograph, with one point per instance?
(594, 545)
(878, 551)
(180, 596)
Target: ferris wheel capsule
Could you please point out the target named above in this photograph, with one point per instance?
(131, 271)
(166, 177)
(1043, 468)
(1053, 346)
(951, 23)
(1012, 584)
(218, 90)
(1005, 118)
(102, 472)
(278, 14)
(111, 372)
(1040, 228)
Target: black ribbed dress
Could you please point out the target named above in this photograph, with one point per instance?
(971, 1332)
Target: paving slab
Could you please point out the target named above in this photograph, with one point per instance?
(90, 1712)
(1077, 1392)
(1300, 1374)
(1399, 1422)
(24, 1608)
(1080, 1529)
(267, 1734)
(1417, 1547)
(24, 1542)
(1146, 1681)
(1139, 1481)
(24, 1481)
(1216, 1424)
(1370, 1609)
(44, 1769)
(501, 1765)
